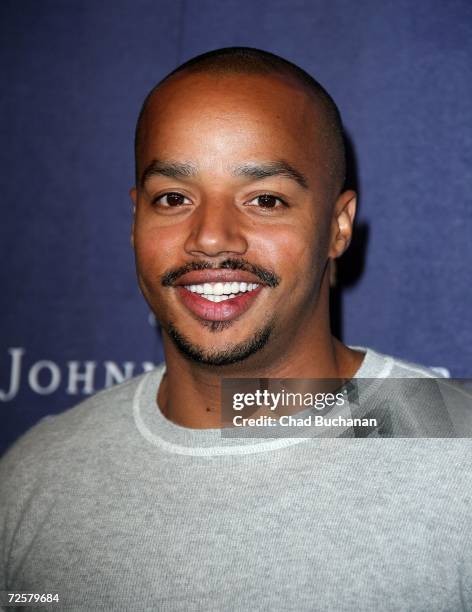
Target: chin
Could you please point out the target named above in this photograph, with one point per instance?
(227, 354)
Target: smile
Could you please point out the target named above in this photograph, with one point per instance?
(220, 292)
(218, 301)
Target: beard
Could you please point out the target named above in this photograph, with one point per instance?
(229, 354)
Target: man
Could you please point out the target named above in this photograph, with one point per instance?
(135, 499)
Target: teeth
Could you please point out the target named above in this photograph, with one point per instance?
(217, 292)
(219, 289)
(220, 298)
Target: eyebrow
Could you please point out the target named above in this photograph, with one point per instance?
(273, 168)
(179, 170)
(170, 169)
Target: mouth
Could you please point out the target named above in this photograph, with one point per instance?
(223, 300)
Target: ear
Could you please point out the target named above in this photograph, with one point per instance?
(342, 223)
(134, 197)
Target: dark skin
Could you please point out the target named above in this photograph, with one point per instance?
(217, 123)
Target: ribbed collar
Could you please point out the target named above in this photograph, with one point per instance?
(173, 438)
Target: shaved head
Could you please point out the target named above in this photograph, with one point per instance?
(240, 163)
(249, 61)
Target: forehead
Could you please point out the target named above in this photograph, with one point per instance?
(217, 120)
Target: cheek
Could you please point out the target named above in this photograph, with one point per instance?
(156, 249)
(289, 249)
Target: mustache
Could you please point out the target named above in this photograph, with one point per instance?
(267, 277)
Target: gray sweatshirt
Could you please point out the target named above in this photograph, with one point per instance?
(114, 507)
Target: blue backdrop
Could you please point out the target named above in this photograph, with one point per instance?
(74, 76)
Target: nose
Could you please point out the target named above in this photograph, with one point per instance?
(216, 229)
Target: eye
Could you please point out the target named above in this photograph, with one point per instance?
(170, 200)
(266, 200)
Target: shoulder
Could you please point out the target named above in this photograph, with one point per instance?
(380, 365)
(97, 422)
(62, 460)
(423, 402)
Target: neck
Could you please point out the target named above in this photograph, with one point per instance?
(189, 394)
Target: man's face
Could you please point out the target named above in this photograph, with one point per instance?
(233, 219)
